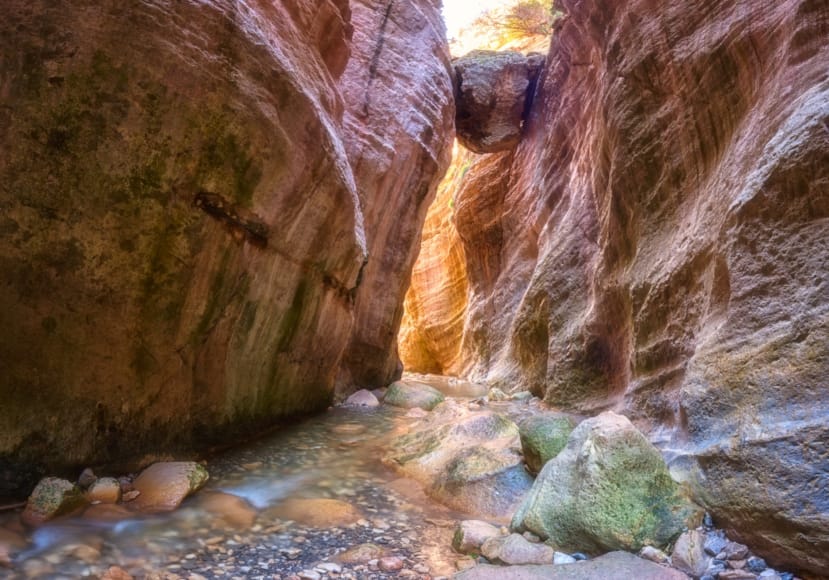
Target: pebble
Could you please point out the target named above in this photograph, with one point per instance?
(390, 564)
(309, 575)
(755, 564)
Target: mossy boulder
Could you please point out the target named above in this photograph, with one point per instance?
(411, 394)
(52, 497)
(609, 489)
(543, 437)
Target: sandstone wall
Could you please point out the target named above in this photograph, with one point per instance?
(657, 244)
(187, 232)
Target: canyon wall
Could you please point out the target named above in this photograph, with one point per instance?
(190, 235)
(657, 244)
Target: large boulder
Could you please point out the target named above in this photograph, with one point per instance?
(468, 460)
(609, 489)
(612, 566)
(163, 486)
(492, 90)
(543, 436)
(410, 394)
(51, 497)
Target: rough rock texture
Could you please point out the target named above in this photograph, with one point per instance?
(493, 91)
(398, 129)
(468, 460)
(612, 566)
(51, 497)
(609, 489)
(657, 244)
(194, 226)
(543, 436)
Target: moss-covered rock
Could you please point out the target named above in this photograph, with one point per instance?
(609, 489)
(543, 437)
(411, 394)
(52, 497)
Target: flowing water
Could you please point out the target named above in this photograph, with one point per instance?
(253, 520)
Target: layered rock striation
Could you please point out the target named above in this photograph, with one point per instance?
(196, 204)
(656, 244)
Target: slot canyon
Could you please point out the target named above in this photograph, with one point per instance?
(323, 291)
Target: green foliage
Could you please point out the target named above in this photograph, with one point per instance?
(522, 18)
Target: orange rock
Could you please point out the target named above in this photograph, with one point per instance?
(163, 486)
(230, 508)
(318, 513)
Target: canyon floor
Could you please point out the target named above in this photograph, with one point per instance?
(315, 500)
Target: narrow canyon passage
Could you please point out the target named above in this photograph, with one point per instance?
(597, 247)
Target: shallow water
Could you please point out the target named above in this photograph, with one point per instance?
(335, 456)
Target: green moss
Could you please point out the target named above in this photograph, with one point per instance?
(543, 437)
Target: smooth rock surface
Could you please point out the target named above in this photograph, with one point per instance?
(612, 566)
(689, 553)
(163, 486)
(655, 244)
(470, 535)
(515, 550)
(362, 398)
(608, 489)
(409, 394)
(104, 490)
(318, 512)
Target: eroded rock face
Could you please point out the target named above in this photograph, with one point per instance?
(399, 126)
(493, 90)
(656, 244)
(189, 228)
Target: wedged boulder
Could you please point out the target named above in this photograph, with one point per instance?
(51, 497)
(543, 437)
(491, 91)
(468, 460)
(609, 489)
(470, 535)
(163, 486)
(612, 566)
(514, 549)
(409, 394)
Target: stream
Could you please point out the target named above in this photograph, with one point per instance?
(246, 522)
